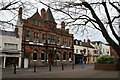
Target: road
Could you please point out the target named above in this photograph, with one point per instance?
(79, 71)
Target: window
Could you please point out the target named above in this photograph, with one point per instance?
(70, 43)
(36, 37)
(28, 35)
(52, 39)
(107, 51)
(57, 57)
(103, 51)
(76, 42)
(35, 55)
(10, 46)
(80, 43)
(43, 38)
(65, 42)
(64, 56)
(42, 56)
(49, 39)
(70, 55)
(36, 22)
(76, 50)
(58, 40)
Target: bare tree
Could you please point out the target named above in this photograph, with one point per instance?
(79, 15)
(9, 11)
(101, 15)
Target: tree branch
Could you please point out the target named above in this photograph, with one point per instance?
(103, 30)
(116, 17)
(115, 7)
(8, 5)
(57, 9)
(109, 21)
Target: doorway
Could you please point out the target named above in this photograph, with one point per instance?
(11, 60)
(51, 58)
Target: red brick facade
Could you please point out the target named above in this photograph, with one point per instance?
(41, 36)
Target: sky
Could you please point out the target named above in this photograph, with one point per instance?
(93, 34)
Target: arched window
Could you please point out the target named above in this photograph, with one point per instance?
(57, 56)
(70, 55)
(64, 56)
(42, 56)
(35, 55)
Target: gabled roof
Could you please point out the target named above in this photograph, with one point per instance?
(87, 45)
(94, 42)
(36, 16)
(78, 41)
(48, 16)
(84, 44)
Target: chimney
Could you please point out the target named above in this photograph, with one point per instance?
(16, 30)
(63, 25)
(20, 13)
(67, 30)
(88, 41)
(43, 13)
(84, 41)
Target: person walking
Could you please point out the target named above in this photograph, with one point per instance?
(84, 59)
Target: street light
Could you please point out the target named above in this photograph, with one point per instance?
(55, 55)
(46, 45)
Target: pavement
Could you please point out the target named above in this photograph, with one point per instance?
(79, 71)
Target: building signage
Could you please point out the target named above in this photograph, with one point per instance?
(36, 43)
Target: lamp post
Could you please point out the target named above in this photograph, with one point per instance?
(46, 45)
(55, 56)
(72, 52)
(72, 61)
(34, 67)
(14, 66)
(49, 66)
(84, 56)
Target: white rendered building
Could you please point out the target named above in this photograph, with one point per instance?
(10, 48)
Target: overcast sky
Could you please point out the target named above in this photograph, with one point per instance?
(93, 34)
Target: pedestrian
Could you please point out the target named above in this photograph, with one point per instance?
(84, 59)
(81, 59)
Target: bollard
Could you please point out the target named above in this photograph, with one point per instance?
(50, 67)
(62, 66)
(34, 68)
(14, 65)
(73, 66)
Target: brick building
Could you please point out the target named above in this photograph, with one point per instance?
(43, 42)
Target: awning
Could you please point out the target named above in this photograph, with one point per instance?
(10, 51)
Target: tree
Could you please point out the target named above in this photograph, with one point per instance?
(97, 14)
(9, 11)
(78, 14)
